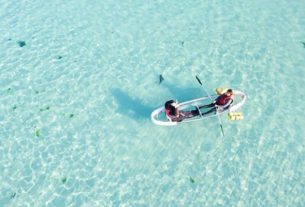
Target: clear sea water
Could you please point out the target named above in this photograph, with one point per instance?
(79, 79)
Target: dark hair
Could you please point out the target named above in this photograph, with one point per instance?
(168, 104)
(229, 91)
(173, 110)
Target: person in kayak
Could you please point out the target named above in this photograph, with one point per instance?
(172, 112)
(221, 103)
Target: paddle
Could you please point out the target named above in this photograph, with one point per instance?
(219, 120)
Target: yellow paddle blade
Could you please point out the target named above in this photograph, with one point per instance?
(234, 116)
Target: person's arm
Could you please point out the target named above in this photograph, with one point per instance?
(177, 112)
(223, 107)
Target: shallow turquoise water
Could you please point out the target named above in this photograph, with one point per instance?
(75, 102)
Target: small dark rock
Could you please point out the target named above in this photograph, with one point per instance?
(21, 43)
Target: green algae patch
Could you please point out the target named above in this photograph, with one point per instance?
(192, 180)
(45, 109)
(64, 180)
(13, 195)
(37, 133)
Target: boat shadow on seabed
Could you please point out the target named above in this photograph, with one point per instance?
(130, 106)
(134, 108)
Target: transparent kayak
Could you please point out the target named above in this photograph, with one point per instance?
(159, 117)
